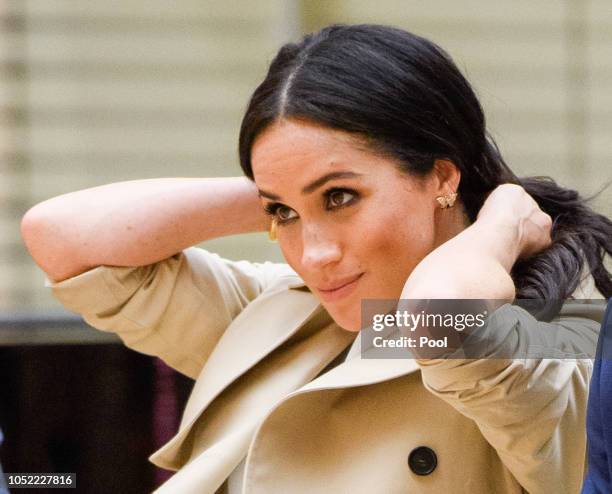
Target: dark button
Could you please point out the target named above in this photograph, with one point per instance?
(422, 460)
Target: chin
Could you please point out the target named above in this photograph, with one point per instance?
(347, 323)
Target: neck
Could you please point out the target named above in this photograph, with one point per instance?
(450, 222)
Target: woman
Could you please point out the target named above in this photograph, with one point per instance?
(368, 151)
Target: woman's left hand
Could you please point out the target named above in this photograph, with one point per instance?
(510, 206)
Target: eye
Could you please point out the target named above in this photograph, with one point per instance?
(280, 212)
(339, 197)
(284, 213)
(335, 198)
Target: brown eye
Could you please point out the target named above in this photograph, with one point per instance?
(284, 213)
(337, 198)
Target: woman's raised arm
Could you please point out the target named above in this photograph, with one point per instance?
(477, 262)
(138, 222)
(529, 409)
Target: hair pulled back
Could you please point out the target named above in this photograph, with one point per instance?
(405, 96)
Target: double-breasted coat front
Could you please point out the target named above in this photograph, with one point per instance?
(278, 408)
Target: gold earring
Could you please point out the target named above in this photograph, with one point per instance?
(272, 232)
(447, 200)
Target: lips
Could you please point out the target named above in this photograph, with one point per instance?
(343, 289)
(335, 285)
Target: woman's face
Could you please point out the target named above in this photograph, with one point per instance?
(345, 214)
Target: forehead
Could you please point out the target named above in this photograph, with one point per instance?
(291, 146)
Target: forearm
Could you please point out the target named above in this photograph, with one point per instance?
(476, 263)
(137, 222)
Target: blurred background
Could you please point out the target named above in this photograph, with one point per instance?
(97, 92)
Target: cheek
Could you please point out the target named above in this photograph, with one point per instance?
(292, 254)
(391, 253)
(407, 236)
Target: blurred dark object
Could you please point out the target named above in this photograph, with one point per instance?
(3, 487)
(51, 328)
(98, 410)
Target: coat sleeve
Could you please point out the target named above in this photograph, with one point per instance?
(531, 410)
(176, 309)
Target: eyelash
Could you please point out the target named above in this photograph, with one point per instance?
(273, 207)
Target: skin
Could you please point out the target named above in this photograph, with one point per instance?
(389, 222)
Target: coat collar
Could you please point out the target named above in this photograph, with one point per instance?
(238, 351)
(259, 329)
(358, 371)
(277, 316)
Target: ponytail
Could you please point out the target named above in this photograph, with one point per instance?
(579, 234)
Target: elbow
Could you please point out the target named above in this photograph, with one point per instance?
(32, 228)
(35, 230)
(44, 241)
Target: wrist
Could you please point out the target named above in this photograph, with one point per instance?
(501, 237)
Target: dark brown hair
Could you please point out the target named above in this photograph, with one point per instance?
(408, 99)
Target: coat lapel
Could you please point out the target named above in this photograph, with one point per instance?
(360, 371)
(241, 348)
(254, 333)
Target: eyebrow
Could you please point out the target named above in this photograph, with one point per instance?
(311, 187)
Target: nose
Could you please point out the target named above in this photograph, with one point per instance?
(319, 248)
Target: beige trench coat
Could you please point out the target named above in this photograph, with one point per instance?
(257, 342)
